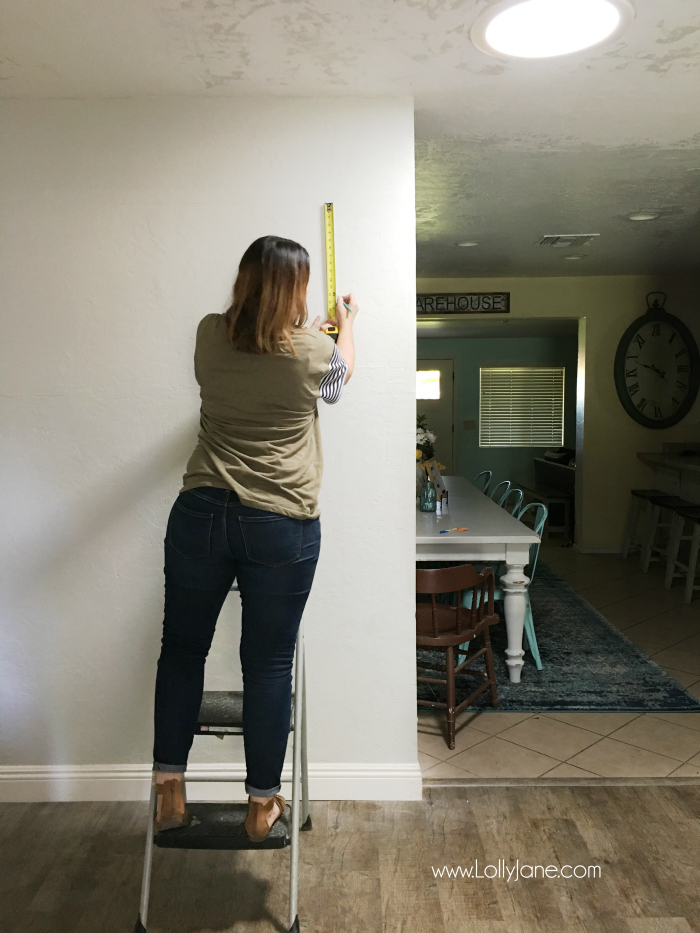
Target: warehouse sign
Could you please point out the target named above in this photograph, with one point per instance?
(464, 303)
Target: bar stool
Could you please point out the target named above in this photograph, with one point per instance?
(654, 525)
(639, 498)
(674, 567)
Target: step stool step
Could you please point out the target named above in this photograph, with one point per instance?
(222, 826)
(221, 708)
(222, 711)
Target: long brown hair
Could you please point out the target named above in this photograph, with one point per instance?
(269, 295)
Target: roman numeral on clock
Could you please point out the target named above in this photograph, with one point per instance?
(633, 389)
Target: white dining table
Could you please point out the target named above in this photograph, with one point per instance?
(492, 535)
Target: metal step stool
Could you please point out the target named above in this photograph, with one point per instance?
(221, 825)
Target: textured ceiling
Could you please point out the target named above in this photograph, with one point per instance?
(506, 197)
(506, 150)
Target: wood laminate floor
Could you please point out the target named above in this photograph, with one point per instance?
(368, 867)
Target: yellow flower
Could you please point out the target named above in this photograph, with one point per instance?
(419, 454)
(441, 466)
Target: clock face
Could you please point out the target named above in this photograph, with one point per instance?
(657, 370)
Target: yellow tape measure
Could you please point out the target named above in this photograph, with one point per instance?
(330, 265)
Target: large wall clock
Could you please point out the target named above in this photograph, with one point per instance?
(657, 367)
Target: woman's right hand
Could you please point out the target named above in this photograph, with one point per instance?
(342, 314)
(346, 339)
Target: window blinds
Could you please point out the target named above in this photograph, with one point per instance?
(521, 406)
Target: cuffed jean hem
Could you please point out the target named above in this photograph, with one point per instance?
(159, 766)
(256, 792)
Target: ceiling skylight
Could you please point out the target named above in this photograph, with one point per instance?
(547, 28)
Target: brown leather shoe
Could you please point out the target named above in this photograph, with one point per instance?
(256, 821)
(173, 812)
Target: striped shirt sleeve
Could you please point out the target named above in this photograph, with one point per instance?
(332, 382)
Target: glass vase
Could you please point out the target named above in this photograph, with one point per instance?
(428, 497)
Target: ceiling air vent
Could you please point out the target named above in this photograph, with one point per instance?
(566, 240)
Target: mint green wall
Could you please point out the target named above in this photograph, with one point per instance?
(468, 353)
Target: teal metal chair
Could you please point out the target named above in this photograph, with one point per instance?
(498, 493)
(540, 517)
(483, 481)
(517, 496)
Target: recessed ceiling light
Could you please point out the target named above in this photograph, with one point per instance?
(643, 215)
(546, 28)
(468, 243)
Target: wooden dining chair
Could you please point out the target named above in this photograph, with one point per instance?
(442, 627)
(498, 493)
(483, 481)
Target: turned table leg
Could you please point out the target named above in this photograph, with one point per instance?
(514, 585)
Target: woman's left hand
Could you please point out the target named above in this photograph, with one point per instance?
(317, 325)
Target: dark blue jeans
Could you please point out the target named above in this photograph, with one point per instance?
(211, 540)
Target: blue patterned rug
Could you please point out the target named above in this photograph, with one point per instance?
(588, 664)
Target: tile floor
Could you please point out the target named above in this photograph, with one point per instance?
(569, 745)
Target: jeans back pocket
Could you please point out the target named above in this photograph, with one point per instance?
(271, 540)
(189, 532)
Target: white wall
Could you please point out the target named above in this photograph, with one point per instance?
(123, 223)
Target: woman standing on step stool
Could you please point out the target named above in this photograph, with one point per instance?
(248, 511)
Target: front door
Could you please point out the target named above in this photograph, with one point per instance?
(435, 379)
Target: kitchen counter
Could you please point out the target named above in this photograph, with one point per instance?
(672, 461)
(678, 476)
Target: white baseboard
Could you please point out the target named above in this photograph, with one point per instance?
(341, 781)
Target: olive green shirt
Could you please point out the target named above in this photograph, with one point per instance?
(259, 432)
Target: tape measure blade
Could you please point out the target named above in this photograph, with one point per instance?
(330, 259)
